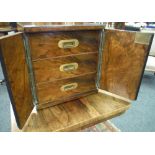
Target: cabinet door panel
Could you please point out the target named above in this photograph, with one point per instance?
(123, 61)
(12, 54)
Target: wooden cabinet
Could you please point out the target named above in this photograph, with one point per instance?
(66, 72)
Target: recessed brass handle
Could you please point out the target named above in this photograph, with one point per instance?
(68, 67)
(68, 87)
(71, 43)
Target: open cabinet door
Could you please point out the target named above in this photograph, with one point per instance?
(13, 59)
(123, 61)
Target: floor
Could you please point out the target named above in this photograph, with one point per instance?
(5, 116)
(140, 117)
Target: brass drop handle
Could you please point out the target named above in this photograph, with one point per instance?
(68, 87)
(71, 43)
(68, 67)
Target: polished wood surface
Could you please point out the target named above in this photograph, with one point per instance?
(45, 45)
(76, 115)
(33, 27)
(123, 63)
(16, 73)
(66, 99)
(49, 69)
(51, 91)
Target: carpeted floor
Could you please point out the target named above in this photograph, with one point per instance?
(140, 117)
(5, 116)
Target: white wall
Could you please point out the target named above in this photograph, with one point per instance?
(152, 51)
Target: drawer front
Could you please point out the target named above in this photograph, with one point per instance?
(62, 89)
(66, 67)
(55, 44)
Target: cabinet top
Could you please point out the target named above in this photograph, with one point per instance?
(30, 27)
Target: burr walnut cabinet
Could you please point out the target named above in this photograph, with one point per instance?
(74, 75)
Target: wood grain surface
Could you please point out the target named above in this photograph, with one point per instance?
(123, 63)
(65, 99)
(49, 69)
(45, 45)
(33, 27)
(77, 114)
(51, 91)
(16, 73)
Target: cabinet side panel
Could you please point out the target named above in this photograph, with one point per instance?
(123, 62)
(15, 70)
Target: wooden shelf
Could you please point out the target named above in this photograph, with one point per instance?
(76, 115)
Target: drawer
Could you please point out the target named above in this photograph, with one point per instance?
(66, 67)
(64, 89)
(55, 44)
